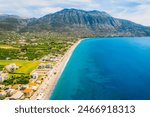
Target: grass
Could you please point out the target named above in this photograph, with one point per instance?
(53, 63)
(7, 47)
(25, 67)
(21, 75)
(1, 67)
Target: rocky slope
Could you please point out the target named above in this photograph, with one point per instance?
(79, 23)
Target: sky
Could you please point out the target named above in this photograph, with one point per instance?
(135, 10)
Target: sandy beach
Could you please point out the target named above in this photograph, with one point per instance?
(49, 83)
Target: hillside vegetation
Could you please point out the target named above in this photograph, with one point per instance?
(33, 46)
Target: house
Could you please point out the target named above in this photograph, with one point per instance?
(3, 76)
(44, 58)
(2, 93)
(23, 87)
(28, 92)
(8, 58)
(11, 67)
(34, 75)
(8, 87)
(2, 87)
(48, 65)
(1, 72)
(11, 91)
(52, 58)
(33, 86)
(15, 86)
(41, 66)
(40, 96)
(38, 81)
(17, 95)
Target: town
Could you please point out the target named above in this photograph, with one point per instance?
(28, 67)
(22, 89)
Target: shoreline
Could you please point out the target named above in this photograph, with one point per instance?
(61, 66)
(51, 80)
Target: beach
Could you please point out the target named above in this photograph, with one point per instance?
(45, 91)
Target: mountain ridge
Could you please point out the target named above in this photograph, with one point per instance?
(83, 24)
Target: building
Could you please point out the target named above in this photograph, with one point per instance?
(2, 93)
(23, 87)
(34, 75)
(17, 95)
(40, 96)
(11, 67)
(41, 66)
(48, 65)
(33, 86)
(11, 91)
(38, 81)
(2, 86)
(44, 58)
(15, 86)
(28, 92)
(8, 58)
(3, 76)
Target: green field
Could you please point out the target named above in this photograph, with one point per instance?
(33, 46)
(22, 74)
(1, 67)
(7, 47)
(25, 67)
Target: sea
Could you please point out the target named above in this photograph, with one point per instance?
(115, 68)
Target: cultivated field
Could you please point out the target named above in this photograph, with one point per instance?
(25, 67)
(7, 47)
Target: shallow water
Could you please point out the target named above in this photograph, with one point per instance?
(107, 69)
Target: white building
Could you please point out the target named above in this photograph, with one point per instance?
(11, 91)
(11, 67)
(17, 95)
(2, 93)
(40, 96)
(41, 66)
(34, 88)
(3, 76)
(38, 81)
(48, 65)
(34, 75)
(24, 87)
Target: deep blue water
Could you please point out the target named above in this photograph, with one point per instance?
(107, 69)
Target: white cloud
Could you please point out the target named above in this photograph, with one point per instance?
(47, 10)
(141, 15)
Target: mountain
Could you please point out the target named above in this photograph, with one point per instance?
(13, 22)
(83, 24)
(5, 16)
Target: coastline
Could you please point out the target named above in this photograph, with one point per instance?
(59, 68)
(51, 80)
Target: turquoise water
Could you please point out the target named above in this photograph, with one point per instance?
(107, 69)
